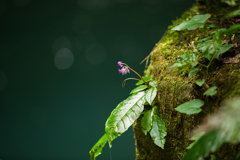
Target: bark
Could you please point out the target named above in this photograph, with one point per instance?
(175, 88)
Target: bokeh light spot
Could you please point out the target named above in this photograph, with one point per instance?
(3, 80)
(64, 59)
(96, 54)
(61, 42)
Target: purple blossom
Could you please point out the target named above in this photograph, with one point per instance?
(120, 71)
(120, 64)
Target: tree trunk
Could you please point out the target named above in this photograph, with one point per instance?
(175, 88)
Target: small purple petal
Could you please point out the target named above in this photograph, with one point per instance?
(119, 64)
(121, 72)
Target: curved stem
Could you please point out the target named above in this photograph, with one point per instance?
(124, 82)
(139, 76)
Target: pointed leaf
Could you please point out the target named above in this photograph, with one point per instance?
(146, 79)
(211, 91)
(193, 72)
(158, 131)
(195, 22)
(235, 26)
(151, 94)
(200, 82)
(123, 116)
(185, 60)
(205, 145)
(191, 107)
(146, 122)
(153, 84)
(139, 88)
(195, 138)
(97, 148)
(224, 48)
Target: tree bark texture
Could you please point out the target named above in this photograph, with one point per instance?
(175, 88)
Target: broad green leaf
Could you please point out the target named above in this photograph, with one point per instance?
(195, 22)
(195, 138)
(146, 79)
(191, 107)
(211, 91)
(123, 116)
(193, 72)
(207, 48)
(158, 131)
(139, 88)
(146, 122)
(233, 27)
(153, 84)
(205, 145)
(185, 60)
(200, 82)
(97, 148)
(233, 14)
(213, 157)
(151, 94)
(224, 48)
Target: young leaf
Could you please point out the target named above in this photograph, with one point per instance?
(205, 145)
(211, 91)
(200, 82)
(213, 26)
(146, 122)
(123, 116)
(97, 148)
(224, 48)
(193, 72)
(191, 107)
(151, 94)
(158, 131)
(195, 138)
(195, 22)
(235, 26)
(146, 79)
(153, 84)
(139, 88)
(185, 60)
(204, 39)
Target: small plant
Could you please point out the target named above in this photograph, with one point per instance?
(126, 112)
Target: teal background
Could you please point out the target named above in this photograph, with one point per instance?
(58, 72)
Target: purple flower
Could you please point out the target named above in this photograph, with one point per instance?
(120, 71)
(120, 64)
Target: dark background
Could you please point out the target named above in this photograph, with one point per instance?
(59, 77)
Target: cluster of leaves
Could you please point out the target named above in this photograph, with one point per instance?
(220, 128)
(124, 115)
(211, 47)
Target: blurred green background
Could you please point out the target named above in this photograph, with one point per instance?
(59, 77)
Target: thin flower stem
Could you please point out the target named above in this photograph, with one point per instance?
(139, 76)
(124, 82)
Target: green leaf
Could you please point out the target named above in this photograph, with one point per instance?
(233, 14)
(213, 157)
(146, 122)
(205, 145)
(213, 26)
(193, 72)
(207, 48)
(211, 91)
(233, 27)
(200, 82)
(195, 22)
(151, 94)
(221, 30)
(123, 116)
(185, 60)
(153, 84)
(97, 148)
(139, 88)
(191, 107)
(224, 48)
(146, 79)
(230, 2)
(195, 138)
(158, 131)
(204, 39)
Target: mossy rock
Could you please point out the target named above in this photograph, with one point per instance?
(175, 88)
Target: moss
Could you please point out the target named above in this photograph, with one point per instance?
(175, 88)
